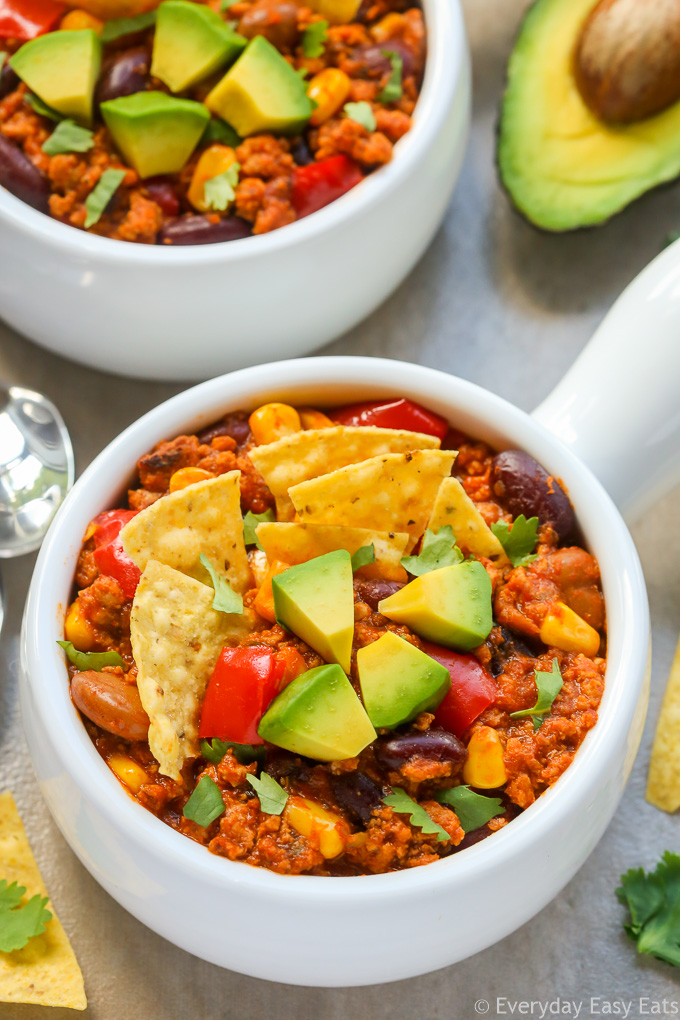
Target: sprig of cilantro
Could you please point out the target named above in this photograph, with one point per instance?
(400, 802)
(19, 923)
(473, 809)
(362, 113)
(548, 686)
(68, 137)
(363, 556)
(273, 797)
(217, 130)
(653, 900)
(519, 541)
(438, 550)
(214, 750)
(42, 108)
(250, 523)
(313, 39)
(100, 196)
(219, 191)
(205, 804)
(226, 599)
(90, 660)
(393, 89)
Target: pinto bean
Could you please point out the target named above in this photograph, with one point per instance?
(111, 703)
(201, 230)
(124, 74)
(276, 20)
(19, 176)
(433, 745)
(523, 486)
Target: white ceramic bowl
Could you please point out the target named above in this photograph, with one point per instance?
(192, 312)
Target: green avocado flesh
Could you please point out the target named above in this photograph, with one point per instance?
(261, 92)
(398, 681)
(191, 41)
(62, 69)
(451, 606)
(316, 601)
(155, 133)
(319, 716)
(562, 167)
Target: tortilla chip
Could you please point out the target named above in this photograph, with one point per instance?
(663, 782)
(176, 638)
(453, 506)
(306, 455)
(44, 972)
(297, 543)
(395, 492)
(202, 518)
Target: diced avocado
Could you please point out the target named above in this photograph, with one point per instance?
(62, 69)
(318, 715)
(261, 92)
(191, 42)
(451, 606)
(398, 681)
(155, 133)
(316, 601)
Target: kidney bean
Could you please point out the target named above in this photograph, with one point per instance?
(234, 425)
(523, 486)
(357, 794)
(124, 74)
(19, 176)
(111, 703)
(433, 745)
(201, 230)
(301, 152)
(8, 79)
(375, 62)
(507, 648)
(372, 592)
(276, 20)
(161, 191)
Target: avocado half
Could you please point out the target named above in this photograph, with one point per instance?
(562, 167)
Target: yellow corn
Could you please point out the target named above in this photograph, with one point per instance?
(312, 419)
(338, 12)
(264, 600)
(274, 421)
(187, 476)
(215, 160)
(484, 767)
(563, 628)
(388, 27)
(309, 818)
(78, 629)
(76, 21)
(329, 90)
(128, 771)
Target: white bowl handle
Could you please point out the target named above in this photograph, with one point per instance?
(618, 407)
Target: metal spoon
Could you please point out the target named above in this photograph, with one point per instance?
(36, 468)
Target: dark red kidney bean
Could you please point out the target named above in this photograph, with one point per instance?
(123, 74)
(161, 191)
(376, 63)
(19, 176)
(372, 592)
(276, 20)
(301, 152)
(357, 794)
(111, 703)
(8, 79)
(433, 745)
(201, 230)
(472, 837)
(234, 425)
(507, 648)
(523, 486)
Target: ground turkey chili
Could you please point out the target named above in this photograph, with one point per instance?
(140, 155)
(501, 719)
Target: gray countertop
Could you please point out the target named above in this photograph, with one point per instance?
(503, 305)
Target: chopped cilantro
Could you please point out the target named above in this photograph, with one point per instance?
(42, 108)
(548, 686)
(272, 795)
(400, 802)
(214, 750)
(313, 39)
(653, 900)
(217, 130)
(126, 26)
(205, 804)
(250, 523)
(473, 809)
(226, 4)
(68, 137)
(90, 660)
(226, 599)
(438, 550)
(363, 556)
(302, 72)
(392, 90)
(219, 190)
(362, 113)
(98, 199)
(19, 923)
(519, 541)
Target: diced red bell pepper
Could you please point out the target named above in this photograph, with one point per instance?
(472, 689)
(109, 555)
(27, 19)
(393, 414)
(109, 524)
(318, 184)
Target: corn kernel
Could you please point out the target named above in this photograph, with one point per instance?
(309, 818)
(78, 629)
(128, 771)
(338, 12)
(274, 421)
(215, 160)
(563, 628)
(264, 600)
(312, 419)
(484, 767)
(187, 476)
(329, 90)
(388, 27)
(77, 20)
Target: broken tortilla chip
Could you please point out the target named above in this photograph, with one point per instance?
(394, 492)
(201, 518)
(176, 639)
(45, 971)
(306, 455)
(453, 506)
(663, 782)
(297, 543)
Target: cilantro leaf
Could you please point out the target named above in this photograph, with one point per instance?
(226, 599)
(205, 804)
(393, 89)
(250, 523)
(20, 923)
(214, 750)
(100, 196)
(400, 802)
(362, 113)
(90, 660)
(437, 551)
(217, 130)
(314, 38)
(302, 73)
(363, 556)
(42, 108)
(653, 901)
(273, 797)
(68, 137)
(126, 26)
(473, 809)
(548, 686)
(518, 540)
(219, 191)
(226, 4)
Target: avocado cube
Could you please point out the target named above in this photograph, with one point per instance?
(62, 69)
(398, 681)
(191, 42)
(319, 716)
(316, 601)
(155, 133)
(450, 606)
(261, 92)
